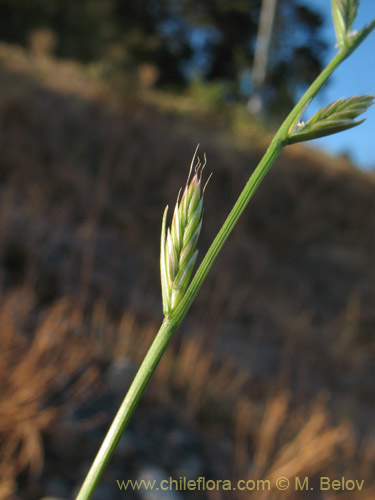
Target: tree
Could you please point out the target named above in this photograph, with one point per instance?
(296, 50)
(214, 39)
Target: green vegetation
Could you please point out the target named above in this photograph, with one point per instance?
(176, 270)
(271, 373)
(174, 42)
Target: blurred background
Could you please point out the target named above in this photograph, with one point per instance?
(102, 103)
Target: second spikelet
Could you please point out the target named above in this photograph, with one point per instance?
(178, 252)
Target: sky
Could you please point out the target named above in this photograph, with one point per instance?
(355, 76)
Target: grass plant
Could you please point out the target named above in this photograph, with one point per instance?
(178, 245)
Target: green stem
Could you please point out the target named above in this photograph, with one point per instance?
(171, 323)
(278, 142)
(127, 408)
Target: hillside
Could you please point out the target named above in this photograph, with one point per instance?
(85, 173)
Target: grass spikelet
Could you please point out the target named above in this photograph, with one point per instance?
(178, 252)
(336, 117)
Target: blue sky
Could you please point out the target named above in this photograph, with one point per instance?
(355, 76)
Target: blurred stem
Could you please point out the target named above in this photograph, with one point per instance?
(172, 322)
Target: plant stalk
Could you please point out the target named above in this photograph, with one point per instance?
(127, 408)
(274, 149)
(172, 322)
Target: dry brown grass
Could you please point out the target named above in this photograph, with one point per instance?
(268, 441)
(289, 444)
(63, 76)
(81, 197)
(42, 352)
(41, 356)
(187, 369)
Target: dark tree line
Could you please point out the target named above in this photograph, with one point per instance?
(182, 38)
